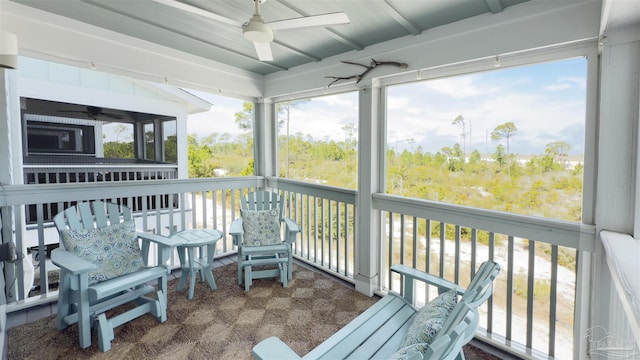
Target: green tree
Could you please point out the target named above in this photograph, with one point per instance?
(499, 156)
(284, 116)
(459, 120)
(559, 151)
(505, 131)
(244, 118)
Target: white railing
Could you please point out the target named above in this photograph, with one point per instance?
(160, 206)
(531, 313)
(532, 308)
(617, 334)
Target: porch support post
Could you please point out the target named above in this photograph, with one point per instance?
(617, 195)
(367, 243)
(11, 165)
(265, 133)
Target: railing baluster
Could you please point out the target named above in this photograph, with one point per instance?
(456, 275)
(443, 234)
(492, 245)
(474, 251)
(509, 305)
(42, 252)
(414, 260)
(553, 293)
(331, 233)
(402, 239)
(391, 252)
(339, 240)
(530, 291)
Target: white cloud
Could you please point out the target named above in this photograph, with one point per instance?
(567, 83)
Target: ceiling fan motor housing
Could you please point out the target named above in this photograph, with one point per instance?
(255, 30)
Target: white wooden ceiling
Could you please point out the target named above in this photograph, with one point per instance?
(371, 22)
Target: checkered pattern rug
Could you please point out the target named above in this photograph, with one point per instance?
(221, 324)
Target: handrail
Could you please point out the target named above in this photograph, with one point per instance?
(12, 195)
(555, 232)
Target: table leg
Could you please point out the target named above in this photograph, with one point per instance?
(183, 265)
(206, 270)
(192, 273)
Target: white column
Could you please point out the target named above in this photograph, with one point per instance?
(367, 247)
(10, 134)
(617, 196)
(265, 134)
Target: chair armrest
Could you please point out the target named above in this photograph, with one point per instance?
(71, 263)
(273, 348)
(235, 230)
(291, 229)
(164, 249)
(291, 225)
(411, 274)
(236, 227)
(158, 239)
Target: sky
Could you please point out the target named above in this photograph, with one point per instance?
(545, 101)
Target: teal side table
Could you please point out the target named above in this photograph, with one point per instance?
(196, 251)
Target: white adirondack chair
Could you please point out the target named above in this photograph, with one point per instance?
(84, 301)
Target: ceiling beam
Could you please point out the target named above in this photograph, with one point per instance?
(296, 51)
(494, 6)
(401, 19)
(334, 34)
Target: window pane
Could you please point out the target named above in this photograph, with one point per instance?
(118, 140)
(510, 139)
(221, 140)
(149, 142)
(170, 141)
(318, 139)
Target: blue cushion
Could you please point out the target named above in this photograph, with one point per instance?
(429, 319)
(114, 249)
(261, 227)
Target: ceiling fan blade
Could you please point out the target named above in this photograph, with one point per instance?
(263, 49)
(196, 10)
(309, 21)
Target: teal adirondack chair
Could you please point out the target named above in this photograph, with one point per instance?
(379, 332)
(103, 267)
(277, 253)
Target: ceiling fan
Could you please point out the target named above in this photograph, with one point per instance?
(93, 112)
(260, 32)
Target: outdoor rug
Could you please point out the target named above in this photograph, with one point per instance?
(221, 324)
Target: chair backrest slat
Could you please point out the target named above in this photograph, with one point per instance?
(114, 213)
(99, 214)
(481, 286)
(449, 341)
(86, 215)
(263, 200)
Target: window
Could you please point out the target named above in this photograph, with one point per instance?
(318, 139)
(510, 139)
(54, 138)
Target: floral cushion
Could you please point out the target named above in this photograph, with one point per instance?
(114, 249)
(261, 227)
(429, 319)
